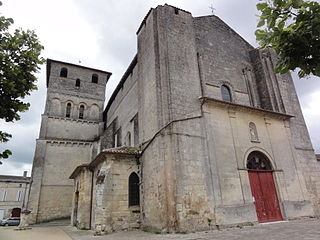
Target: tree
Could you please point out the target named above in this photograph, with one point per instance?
(292, 29)
(19, 61)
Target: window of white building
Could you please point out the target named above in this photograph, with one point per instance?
(19, 195)
(4, 195)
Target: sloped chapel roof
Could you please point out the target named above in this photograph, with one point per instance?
(124, 151)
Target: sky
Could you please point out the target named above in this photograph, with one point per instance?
(102, 34)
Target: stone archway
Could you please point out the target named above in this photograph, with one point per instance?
(263, 187)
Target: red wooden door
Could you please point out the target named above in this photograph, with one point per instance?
(16, 212)
(265, 196)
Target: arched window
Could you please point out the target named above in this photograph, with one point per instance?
(81, 111)
(253, 132)
(225, 93)
(68, 110)
(78, 82)
(94, 78)
(258, 161)
(64, 72)
(134, 193)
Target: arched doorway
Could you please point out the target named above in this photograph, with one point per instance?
(16, 212)
(75, 209)
(263, 188)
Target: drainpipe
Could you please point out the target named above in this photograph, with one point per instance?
(24, 196)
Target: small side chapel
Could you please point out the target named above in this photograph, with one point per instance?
(114, 178)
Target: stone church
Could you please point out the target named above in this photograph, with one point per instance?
(200, 132)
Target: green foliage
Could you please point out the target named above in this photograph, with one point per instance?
(20, 59)
(4, 137)
(292, 29)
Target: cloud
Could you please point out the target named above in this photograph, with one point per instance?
(15, 168)
(308, 90)
(312, 116)
(22, 143)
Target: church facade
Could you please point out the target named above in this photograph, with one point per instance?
(199, 133)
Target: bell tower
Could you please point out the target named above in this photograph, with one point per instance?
(71, 124)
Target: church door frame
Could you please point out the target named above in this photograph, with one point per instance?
(263, 188)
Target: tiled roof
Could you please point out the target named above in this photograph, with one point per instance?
(133, 151)
(77, 170)
(123, 150)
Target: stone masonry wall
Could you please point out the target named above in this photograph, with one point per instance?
(80, 216)
(154, 194)
(112, 211)
(229, 137)
(56, 187)
(123, 110)
(169, 89)
(64, 142)
(223, 57)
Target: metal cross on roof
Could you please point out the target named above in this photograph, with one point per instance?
(212, 9)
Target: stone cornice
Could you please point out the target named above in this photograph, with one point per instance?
(240, 107)
(27, 180)
(74, 120)
(64, 141)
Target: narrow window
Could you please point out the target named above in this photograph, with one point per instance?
(4, 195)
(225, 93)
(77, 186)
(78, 82)
(94, 78)
(134, 193)
(64, 72)
(18, 196)
(81, 111)
(135, 130)
(68, 110)
(115, 140)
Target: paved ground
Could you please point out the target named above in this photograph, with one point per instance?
(37, 233)
(307, 229)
